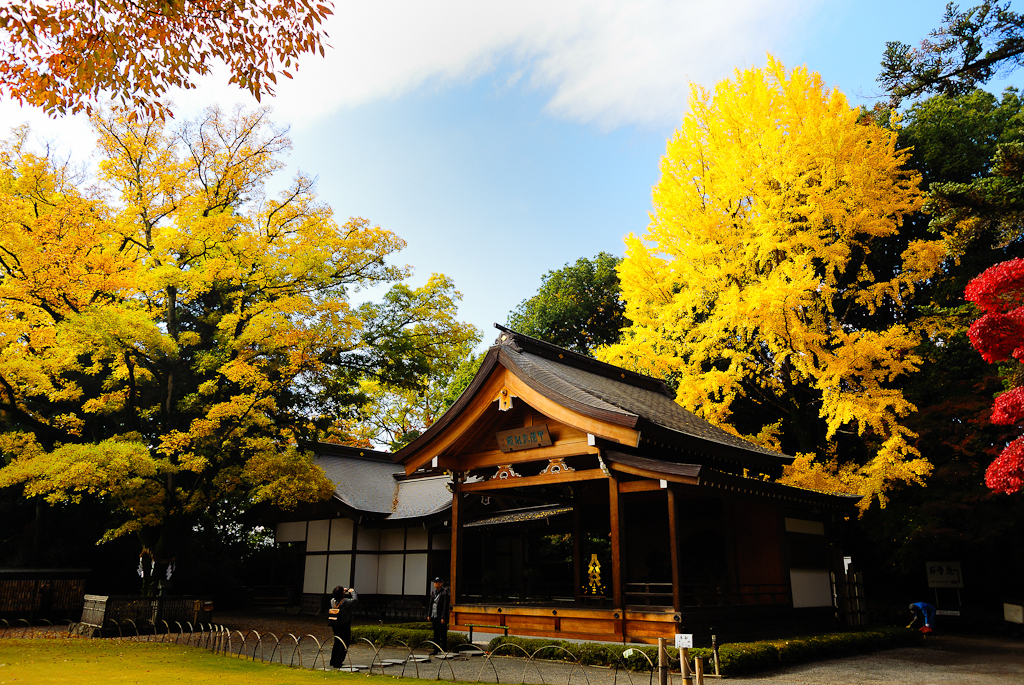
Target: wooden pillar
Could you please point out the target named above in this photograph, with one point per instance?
(456, 539)
(577, 549)
(616, 542)
(674, 552)
(355, 546)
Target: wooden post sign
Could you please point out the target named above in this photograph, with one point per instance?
(524, 438)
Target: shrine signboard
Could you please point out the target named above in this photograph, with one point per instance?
(944, 574)
(524, 438)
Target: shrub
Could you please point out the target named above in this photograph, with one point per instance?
(739, 658)
(743, 658)
(590, 653)
(392, 636)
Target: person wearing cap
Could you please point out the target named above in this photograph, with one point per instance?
(438, 615)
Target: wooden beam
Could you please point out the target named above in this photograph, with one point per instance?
(610, 431)
(528, 481)
(562, 448)
(674, 551)
(639, 486)
(654, 475)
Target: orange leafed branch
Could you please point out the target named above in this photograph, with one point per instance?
(63, 56)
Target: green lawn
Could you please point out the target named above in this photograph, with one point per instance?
(117, 662)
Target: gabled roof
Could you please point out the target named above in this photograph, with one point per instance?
(369, 481)
(606, 393)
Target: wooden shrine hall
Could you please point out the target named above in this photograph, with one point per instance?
(589, 505)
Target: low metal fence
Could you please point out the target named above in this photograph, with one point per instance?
(507, 663)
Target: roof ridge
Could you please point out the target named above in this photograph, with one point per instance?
(335, 449)
(526, 343)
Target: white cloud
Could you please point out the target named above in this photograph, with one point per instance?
(603, 61)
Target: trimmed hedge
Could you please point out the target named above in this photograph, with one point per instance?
(394, 635)
(588, 653)
(741, 658)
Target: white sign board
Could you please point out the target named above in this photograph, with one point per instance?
(944, 574)
(684, 640)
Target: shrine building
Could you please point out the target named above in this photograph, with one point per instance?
(589, 505)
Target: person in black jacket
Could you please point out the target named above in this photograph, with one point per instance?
(339, 616)
(438, 614)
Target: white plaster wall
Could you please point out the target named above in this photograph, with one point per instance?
(389, 574)
(316, 535)
(368, 539)
(341, 535)
(315, 579)
(339, 571)
(417, 538)
(415, 574)
(392, 539)
(811, 588)
(366, 573)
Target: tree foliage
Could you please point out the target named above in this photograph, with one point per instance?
(999, 336)
(753, 290)
(63, 57)
(950, 141)
(985, 207)
(994, 203)
(968, 49)
(396, 413)
(462, 378)
(577, 307)
(169, 338)
(956, 516)
(974, 214)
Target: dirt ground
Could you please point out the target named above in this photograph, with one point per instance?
(278, 623)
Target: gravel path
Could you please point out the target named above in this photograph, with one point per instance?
(964, 660)
(956, 659)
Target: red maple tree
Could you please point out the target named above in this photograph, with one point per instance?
(999, 336)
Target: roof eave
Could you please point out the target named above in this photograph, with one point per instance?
(488, 364)
(657, 434)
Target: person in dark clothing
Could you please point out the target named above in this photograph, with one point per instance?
(339, 616)
(438, 615)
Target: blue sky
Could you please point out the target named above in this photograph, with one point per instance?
(504, 139)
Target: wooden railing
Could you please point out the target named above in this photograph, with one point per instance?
(699, 595)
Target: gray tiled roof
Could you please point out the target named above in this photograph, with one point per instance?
(422, 497)
(613, 394)
(362, 484)
(365, 480)
(610, 394)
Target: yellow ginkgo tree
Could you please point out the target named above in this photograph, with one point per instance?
(764, 288)
(170, 337)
